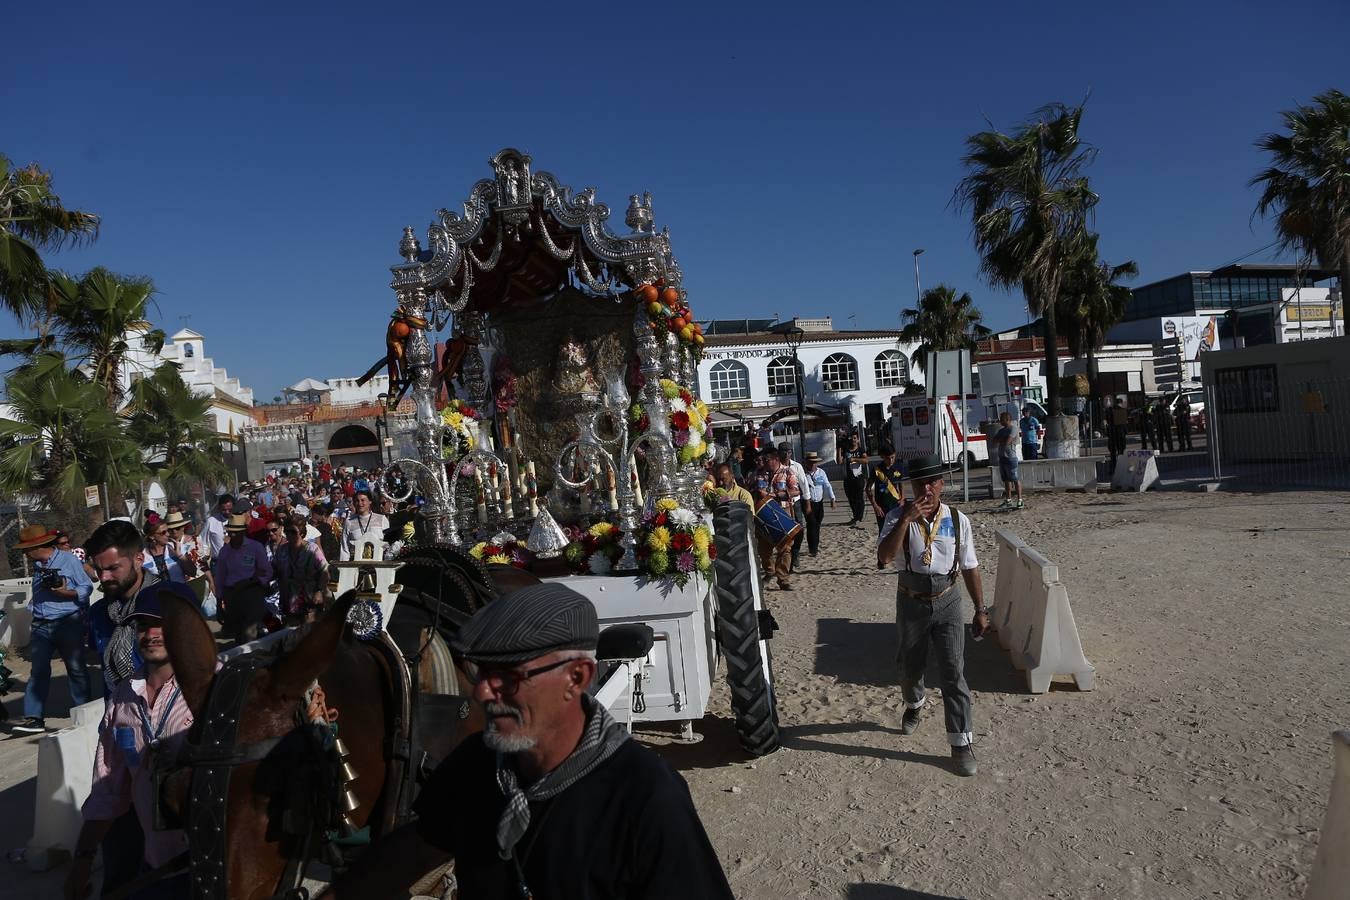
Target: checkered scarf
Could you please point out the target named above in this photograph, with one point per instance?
(119, 656)
(602, 736)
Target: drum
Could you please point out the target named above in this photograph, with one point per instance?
(774, 523)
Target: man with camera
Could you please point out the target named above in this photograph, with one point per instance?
(61, 590)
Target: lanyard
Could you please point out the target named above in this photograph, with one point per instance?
(152, 737)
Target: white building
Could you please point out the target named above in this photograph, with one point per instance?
(848, 377)
(337, 391)
(231, 402)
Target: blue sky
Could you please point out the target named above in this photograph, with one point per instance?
(259, 167)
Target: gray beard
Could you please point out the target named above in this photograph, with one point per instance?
(501, 743)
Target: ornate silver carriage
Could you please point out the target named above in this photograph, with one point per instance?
(558, 429)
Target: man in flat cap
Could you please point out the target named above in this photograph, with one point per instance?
(553, 799)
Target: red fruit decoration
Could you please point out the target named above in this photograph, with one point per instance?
(648, 293)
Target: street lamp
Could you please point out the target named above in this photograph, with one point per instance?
(918, 294)
(793, 336)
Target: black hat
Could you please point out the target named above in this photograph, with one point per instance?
(926, 466)
(528, 623)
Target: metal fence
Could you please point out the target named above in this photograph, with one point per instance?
(1279, 428)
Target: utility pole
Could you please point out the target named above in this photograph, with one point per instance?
(918, 292)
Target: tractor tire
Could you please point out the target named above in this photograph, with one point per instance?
(749, 666)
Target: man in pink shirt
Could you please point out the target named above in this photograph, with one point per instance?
(145, 713)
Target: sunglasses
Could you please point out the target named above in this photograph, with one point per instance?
(507, 680)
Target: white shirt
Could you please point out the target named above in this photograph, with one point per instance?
(820, 485)
(802, 480)
(214, 534)
(944, 544)
(359, 530)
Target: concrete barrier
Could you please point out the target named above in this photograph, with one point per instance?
(65, 773)
(1136, 470)
(1049, 475)
(17, 625)
(1033, 618)
(1331, 870)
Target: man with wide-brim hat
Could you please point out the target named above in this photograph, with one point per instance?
(61, 590)
(934, 549)
(243, 573)
(552, 796)
(819, 487)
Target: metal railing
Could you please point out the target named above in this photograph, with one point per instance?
(1293, 433)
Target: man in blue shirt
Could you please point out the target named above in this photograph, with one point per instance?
(1031, 435)
(61, 590)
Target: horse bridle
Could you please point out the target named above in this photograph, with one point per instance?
(213, 758)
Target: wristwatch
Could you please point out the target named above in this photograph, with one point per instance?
(981, 610)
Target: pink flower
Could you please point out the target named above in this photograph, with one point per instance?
(681, 438)
(685, 562)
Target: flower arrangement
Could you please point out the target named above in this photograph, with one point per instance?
(593, 550)
(672, 543)
(460, 423)
(668, 310)
(503, 550)
(690, 427)
(503, 384)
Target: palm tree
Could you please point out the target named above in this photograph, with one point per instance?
(173, 426)
(62, 438)
(1090, 303)
(942, 321)
(32, 219)
(96, 320)
(1307, 186)
(1029, 203)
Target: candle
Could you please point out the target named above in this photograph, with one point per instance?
(532, 487)
(504, 490)
(613, 492)
(481, 506)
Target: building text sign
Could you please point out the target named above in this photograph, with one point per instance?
(743, 354)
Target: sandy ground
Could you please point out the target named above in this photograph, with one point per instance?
(1199, 766)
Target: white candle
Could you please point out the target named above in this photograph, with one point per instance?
(613, 492)
(637, 482)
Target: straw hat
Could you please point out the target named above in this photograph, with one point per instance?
(33, 536)
(175, 520)
(237, 523)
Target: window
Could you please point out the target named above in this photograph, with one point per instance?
(781, 382)
(729, 380)
(839, 373)
(891, 369)
(1249, 389)
(187, 351)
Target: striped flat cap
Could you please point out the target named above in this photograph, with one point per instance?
(528, 623)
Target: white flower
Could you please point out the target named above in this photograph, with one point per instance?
(683, 517)
(599, 564)
(678, 405)
(503, 538)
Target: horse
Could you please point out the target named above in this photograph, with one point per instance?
(249, 814)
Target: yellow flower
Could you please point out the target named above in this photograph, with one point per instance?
(600, 529)
(500, 559)
(670, 389)
(476, 551)
(701, 539)
(667, 504)
(659, 538)
(409, 531)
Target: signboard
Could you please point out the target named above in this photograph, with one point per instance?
(1195, 334)
(91, 496)
(994, 379)
(949, 373)
(1310, 312)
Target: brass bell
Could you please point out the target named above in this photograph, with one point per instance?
(341, 748)
(348, 773)
(349, 802)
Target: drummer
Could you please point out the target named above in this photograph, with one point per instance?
(775, 483)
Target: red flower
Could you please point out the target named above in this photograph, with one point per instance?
(680, 419)
(686, 397)
(491, 550)
(660, 518)
(712, 551)
(681, 542)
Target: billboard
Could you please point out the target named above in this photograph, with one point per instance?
(1197, 334)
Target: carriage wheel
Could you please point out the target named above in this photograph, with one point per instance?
(749, 663)
(447, 574)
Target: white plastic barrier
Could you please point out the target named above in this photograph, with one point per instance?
(1033, 618)
(1331, 870)
(1136, 470)
(17, 625)
(65, 773)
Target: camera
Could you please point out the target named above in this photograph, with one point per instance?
(48, 580)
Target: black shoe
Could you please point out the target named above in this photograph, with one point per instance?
(964, 760)
(30, 725)
(910, 721)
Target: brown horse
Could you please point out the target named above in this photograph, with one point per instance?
(358, 682)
